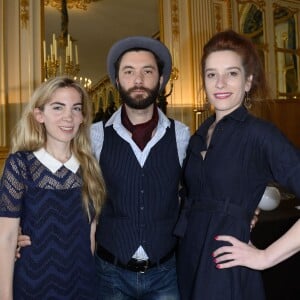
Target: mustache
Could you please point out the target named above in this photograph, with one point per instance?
(138, 89)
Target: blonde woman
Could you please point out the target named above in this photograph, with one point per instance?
(53, 188)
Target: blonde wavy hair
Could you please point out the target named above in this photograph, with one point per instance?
(30, 135)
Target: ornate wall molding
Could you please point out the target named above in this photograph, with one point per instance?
(186, 26)
(260, 3)
(102, 93)
(24, 13)
(3, 67)
(175, 19)
(20, 60)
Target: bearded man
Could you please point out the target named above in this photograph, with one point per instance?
(140, 152)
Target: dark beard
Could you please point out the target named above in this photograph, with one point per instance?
(139, 102)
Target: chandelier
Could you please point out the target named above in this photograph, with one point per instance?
(81, 4)
(62, 59)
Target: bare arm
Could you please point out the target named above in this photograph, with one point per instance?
(255, 218)
(23, 241)
(93, 236)
(8, 243)
(242, 254)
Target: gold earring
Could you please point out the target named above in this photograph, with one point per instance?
(247, 101)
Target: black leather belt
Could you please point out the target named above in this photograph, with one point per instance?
(133, 265)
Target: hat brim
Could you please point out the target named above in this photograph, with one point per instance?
(141, 42)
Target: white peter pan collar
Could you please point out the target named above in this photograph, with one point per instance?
(53, 164)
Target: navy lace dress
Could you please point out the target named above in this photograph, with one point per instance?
(223, 190)
(59, 264)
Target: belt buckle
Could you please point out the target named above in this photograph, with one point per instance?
(145, 267)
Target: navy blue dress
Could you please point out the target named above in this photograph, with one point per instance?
(222, 193)
(59, 263)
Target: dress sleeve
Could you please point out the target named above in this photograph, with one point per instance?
(283, 159)
(12, 187)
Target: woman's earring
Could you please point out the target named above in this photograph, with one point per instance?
(247, 101)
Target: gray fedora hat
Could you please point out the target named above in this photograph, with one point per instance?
(141, 42)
